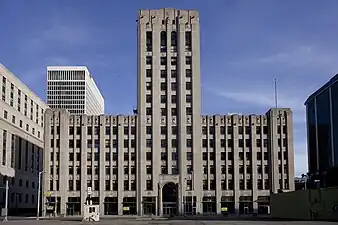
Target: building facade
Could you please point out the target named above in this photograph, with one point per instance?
(243, 158)
(322, 127)
(21, 138)
(73, 88)
(167, 159)
(168, 93)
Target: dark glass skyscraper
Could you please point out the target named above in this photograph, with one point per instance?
(322, 127)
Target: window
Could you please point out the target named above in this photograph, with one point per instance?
(173, 86)
(189, 129)
(188, 73)
(149, 41)
(189, 156)
(149, 60)
(173, 61)
(148, 98)
(188, 85)
(5, 114)
(163, 99)
(13, 119)
(188, 60)
(148, 143)
(149, 130)
(188, 98)
(163, 40)
(163, 73)
(173, 99)
(188, 40)
(189, 143)
(163, 61)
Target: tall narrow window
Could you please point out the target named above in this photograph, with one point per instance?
(149, 41)
(163, 41)
(188, 40)
(173, 41)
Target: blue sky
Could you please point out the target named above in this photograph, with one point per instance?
(244, 45)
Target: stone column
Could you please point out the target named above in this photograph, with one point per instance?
(160, 203)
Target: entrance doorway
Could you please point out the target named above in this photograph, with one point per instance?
(170, 199)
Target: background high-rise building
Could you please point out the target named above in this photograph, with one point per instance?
(73, 88)
(322, 130)
(21, 142)
(322, 125)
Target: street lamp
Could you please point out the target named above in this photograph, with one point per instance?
(39, 187)
(6, 201)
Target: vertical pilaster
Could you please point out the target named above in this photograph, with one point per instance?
(102, 152)
(83, 151)
(181, 109)
(218, 164)
(235, 124)
(120, 162)
(254, 177)
(64, 160)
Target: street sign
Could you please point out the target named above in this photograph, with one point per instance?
(3, 212)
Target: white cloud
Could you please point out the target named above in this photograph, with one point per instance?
(266, 100)
(65, 34)
(300, 56)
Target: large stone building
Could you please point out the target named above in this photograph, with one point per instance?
(243, 158)
(73, 88)
(21, 138)
(168, 159)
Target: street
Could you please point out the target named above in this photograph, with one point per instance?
(165, 222)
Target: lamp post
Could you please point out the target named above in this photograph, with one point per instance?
(38, 203)
(6, 201)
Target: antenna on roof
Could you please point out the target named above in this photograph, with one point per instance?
(276, 96)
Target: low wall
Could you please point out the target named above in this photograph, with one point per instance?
(311, 204)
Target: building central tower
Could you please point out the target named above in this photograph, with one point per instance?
(168, 104)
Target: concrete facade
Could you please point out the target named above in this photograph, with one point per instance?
(21, 138)
(73, 88)
(133, 163)
(242, 159)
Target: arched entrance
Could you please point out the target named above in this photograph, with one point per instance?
(170, 199)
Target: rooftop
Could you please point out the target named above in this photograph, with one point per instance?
(333, 80)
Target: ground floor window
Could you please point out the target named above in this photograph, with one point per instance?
(189, 205)
(53, 205)
(149, 205)
(129, 206)
(245, 205)
(209, 205)
(73, 206)
(110, 206)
